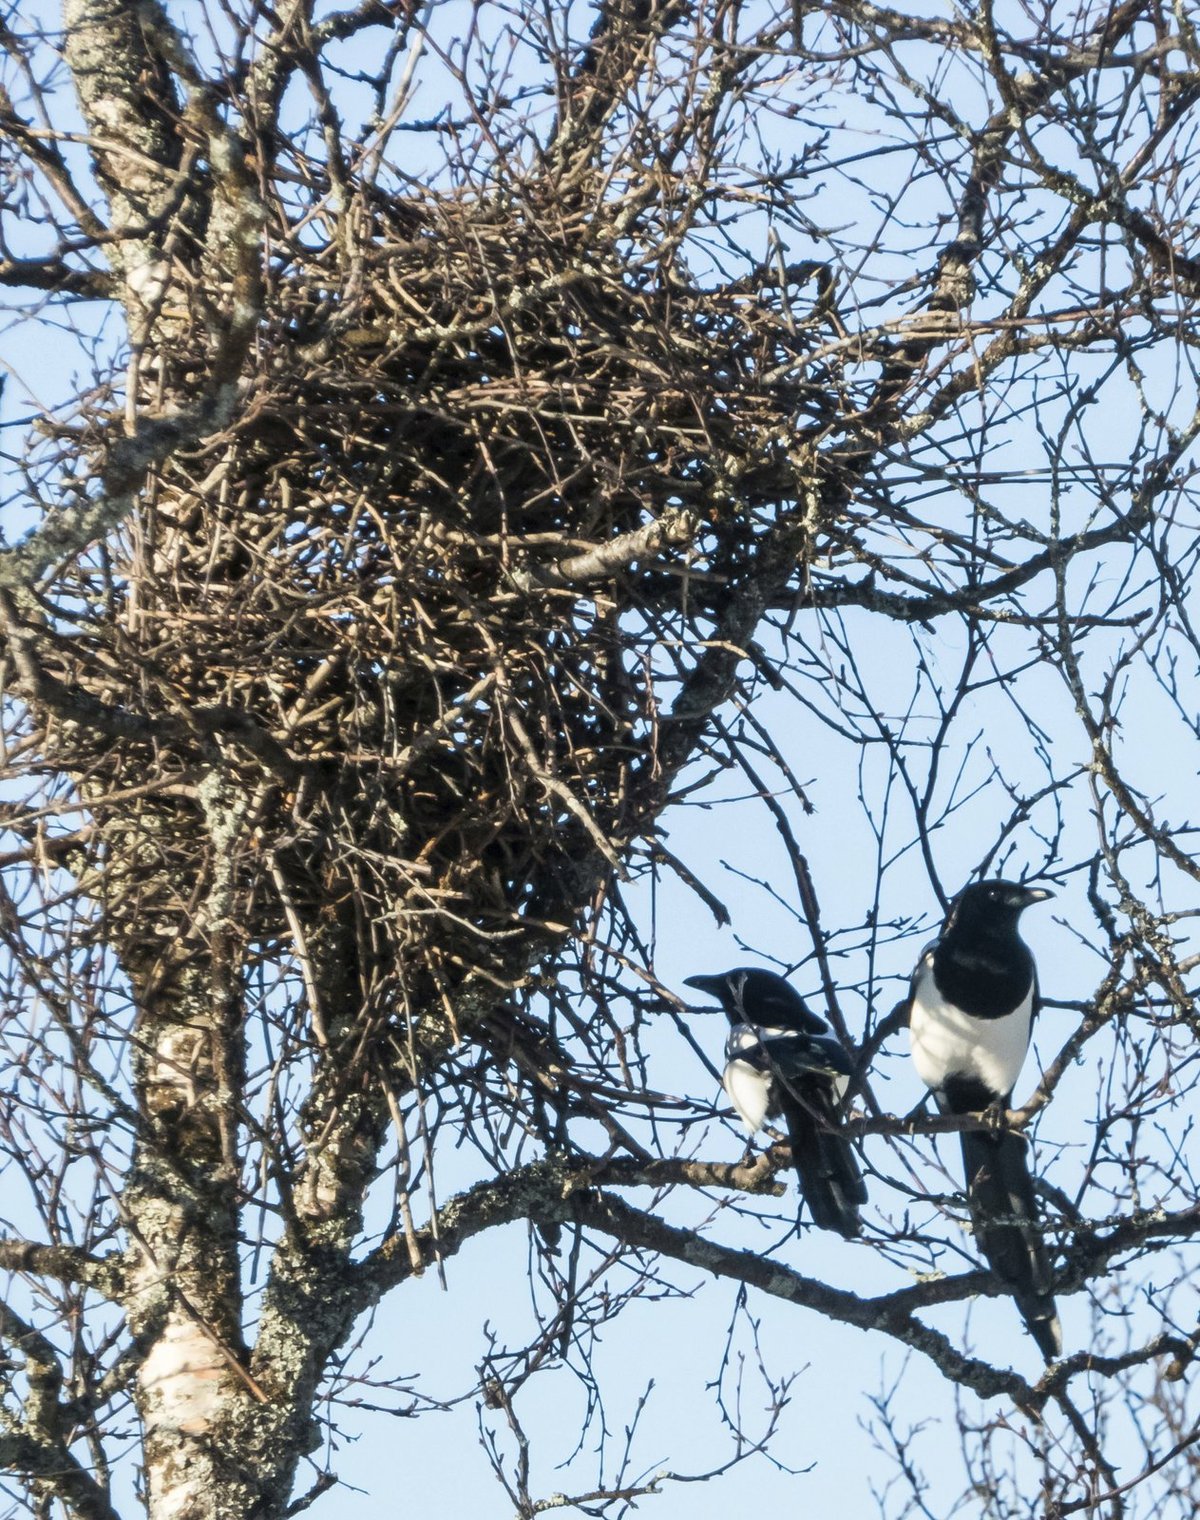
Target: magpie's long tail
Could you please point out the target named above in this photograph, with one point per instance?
(830, 1180)
(1007, 1228)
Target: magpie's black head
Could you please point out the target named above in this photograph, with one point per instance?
(993, 905)
(749, 995)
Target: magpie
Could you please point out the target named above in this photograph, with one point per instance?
(972, 1003)
(781, 1059)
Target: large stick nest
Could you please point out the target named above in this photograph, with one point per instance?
(398, 603)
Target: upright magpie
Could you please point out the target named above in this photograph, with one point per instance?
(972, 1003)
(782, 1059)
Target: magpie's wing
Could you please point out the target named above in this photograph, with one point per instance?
(745, 1044)
(793, 1055)
(830, 1180)
(806, 1073)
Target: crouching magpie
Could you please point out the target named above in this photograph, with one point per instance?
(781, 1059)
(972, 1003)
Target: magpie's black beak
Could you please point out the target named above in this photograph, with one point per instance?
(709, 984)
(1031, 895)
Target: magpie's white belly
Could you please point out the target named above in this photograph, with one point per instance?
(947, 1042)
(749, 1091)
(748, 1088)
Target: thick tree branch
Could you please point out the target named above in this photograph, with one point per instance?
(105, 1275)
(55, 1472)
(58, 277)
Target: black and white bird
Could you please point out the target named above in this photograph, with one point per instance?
(973, 1000)
(781, 1059)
